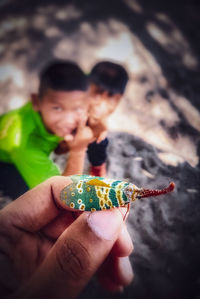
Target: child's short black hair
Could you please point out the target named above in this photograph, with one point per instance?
(109, 76)
(62, 75)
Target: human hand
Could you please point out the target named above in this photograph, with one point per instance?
(82, 137)
(46, 253)
(99, 128)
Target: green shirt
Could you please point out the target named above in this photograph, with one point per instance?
(25, 142)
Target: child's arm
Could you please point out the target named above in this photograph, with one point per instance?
(77, 148)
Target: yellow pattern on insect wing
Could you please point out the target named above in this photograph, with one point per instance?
(82, 207)
(72, 205)
(79, 187)
(100, 194)
(103, 196)
(108, 202)
(64, 195)
(96, 182)
(119, 193)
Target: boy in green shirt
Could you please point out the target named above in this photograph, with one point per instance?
(29, 134)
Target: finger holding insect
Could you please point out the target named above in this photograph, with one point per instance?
(88, 193)
(124, 245)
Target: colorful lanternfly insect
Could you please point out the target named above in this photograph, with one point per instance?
(89, 193)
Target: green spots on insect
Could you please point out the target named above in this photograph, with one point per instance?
(90, 200)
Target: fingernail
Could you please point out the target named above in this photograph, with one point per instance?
(105, 224)
(126, 269)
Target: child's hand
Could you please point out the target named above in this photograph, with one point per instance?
(99, 128)
(83, 136)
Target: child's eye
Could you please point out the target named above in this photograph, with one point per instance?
(57, 108)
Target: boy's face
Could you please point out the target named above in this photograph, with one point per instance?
(62, 111)
(101, 103)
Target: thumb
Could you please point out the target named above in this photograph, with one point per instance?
(68, 137)
(76, 255)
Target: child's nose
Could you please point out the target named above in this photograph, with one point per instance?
(68, 119)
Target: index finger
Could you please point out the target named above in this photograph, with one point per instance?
(37, 207)
(82, 123)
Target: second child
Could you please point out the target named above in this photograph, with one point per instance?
(107, 83)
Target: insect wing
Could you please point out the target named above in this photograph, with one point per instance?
(73, 197)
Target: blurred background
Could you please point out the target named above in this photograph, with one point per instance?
(157, 42)
(155, 131)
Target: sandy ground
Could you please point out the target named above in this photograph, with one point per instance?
(154, 133)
